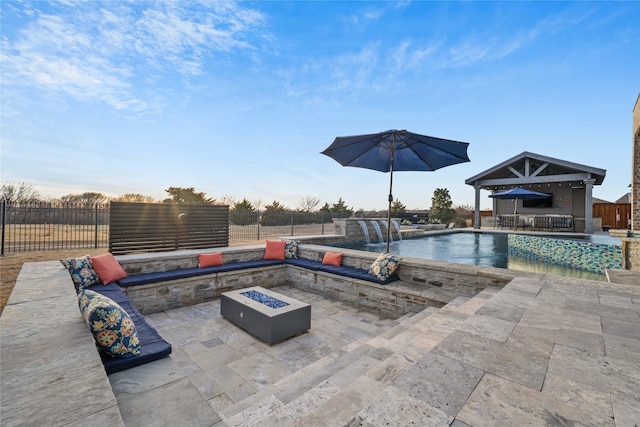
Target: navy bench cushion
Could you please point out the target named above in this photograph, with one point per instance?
(152, 346)
(303, 262)
(356, 273)
(249, 264)
(162, 276)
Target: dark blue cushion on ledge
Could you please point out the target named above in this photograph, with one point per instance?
(241, 265)
(152, 346)
(306, 263)
(161, 276)
(356, 273)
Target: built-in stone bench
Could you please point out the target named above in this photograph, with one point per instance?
(418, 287)
(53, 375)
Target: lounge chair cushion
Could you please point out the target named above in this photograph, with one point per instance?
(384, 266)
(113, 329)
(108, 268)
(152, 346)
(210, 260)
(81, 271)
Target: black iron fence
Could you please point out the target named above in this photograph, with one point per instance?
(30, 227)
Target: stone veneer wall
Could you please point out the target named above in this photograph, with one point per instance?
(631, 254)
(352, 230)
(577, 254)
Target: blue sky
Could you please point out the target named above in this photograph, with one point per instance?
(238, 99)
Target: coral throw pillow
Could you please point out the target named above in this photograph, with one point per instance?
(274, 249)
(332, 258)
(108, 268)
(210, 260)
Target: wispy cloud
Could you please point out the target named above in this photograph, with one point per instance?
(100, 51)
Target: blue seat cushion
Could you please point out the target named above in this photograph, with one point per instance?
(306, 263)
(152, 346)
(241, 265)
(162, 276)
(356, 273)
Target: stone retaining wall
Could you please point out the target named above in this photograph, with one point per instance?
(423, 282)
(631, 254)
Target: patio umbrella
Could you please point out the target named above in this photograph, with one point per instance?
(396, 150)
(516, 194)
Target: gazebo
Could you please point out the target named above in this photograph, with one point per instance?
(569, 185)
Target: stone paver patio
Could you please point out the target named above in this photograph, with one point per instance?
(541, 351)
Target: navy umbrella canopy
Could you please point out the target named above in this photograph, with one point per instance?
(396, 150)
(518, 193)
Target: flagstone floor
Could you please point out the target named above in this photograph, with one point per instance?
(541, 351)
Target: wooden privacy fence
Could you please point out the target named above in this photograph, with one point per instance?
(158, 227)
(614, 215)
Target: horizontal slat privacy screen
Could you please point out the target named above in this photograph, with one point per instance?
(158, 227)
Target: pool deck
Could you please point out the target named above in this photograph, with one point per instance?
(541, 351)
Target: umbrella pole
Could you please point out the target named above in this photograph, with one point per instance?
(390, 200)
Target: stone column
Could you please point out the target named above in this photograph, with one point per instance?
(635, 169)
(588, 205)
(476, 214)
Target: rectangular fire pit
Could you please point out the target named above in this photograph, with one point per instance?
(268, 315)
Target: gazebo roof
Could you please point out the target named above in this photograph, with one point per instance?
(531, 168)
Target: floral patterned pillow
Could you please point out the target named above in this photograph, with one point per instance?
(112, 328)
(291, 249)
(384, 266)
(81, 271)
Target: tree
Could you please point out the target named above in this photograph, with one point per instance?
(187, 195)
(274, 214)
(441, 211)
(341, 208)
(18, 193)
(88, 199)
(397, 207)
(135, 198)
(244, 213)
(227, 200)
(307, 204)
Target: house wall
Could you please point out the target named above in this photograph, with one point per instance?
(562, 202)
(635, 174)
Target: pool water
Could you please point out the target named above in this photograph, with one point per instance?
(482, 249)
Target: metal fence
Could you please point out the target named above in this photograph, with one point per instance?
(55, 227)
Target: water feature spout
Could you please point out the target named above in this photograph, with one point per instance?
(397, 227)
(376, 226)
(386, 226)
(365, 231)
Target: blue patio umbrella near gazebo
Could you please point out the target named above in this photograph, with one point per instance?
(516, 194)
(396, 150)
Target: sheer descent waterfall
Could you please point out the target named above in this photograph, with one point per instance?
(377, 228)
(397, 227)
(365, 230)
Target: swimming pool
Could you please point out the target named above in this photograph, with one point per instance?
(482, 249)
